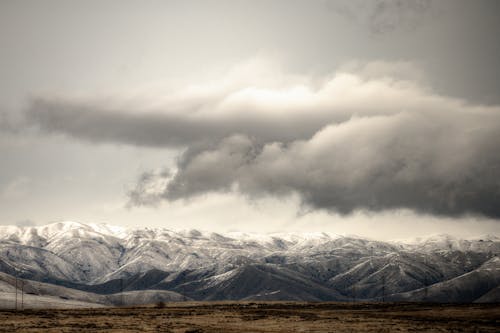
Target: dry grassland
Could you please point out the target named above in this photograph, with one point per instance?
(260, 317)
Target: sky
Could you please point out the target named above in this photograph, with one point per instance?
(376, 118)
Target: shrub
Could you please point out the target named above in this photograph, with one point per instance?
(161, 305)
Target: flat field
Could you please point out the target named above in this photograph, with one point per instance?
(261, 317)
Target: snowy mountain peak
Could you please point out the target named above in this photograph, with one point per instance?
(71, 229)
(206, 265)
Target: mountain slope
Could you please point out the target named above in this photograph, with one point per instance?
(469, 287)
(37, 294)
(106, 260)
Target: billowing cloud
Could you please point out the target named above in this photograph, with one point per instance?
(274, 106)
(363, 138)
(439, 166)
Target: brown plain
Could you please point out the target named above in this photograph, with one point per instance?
(260, 317)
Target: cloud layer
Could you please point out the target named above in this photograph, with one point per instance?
(384, 16)
(254, 100)
(362, 138)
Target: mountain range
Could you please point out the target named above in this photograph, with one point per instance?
(75, 264)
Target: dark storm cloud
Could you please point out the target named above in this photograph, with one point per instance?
(147, 187)
(98, 122)
(433, 164)
(384, 16)
(353, 141)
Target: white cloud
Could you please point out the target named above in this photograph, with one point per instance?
(366, 137)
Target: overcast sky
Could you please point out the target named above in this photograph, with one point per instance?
(378, 118)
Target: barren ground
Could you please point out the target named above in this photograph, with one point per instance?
(261, 317)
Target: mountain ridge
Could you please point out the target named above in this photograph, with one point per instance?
(203, 265)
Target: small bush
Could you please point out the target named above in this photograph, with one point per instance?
(161, 305)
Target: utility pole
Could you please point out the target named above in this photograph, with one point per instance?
(121, 291)
(425, 278)
(15, 298)
(22, 294)
(383, 288)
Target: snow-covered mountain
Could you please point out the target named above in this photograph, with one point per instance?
(106, 260)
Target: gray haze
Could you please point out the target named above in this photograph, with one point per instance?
(167, 111)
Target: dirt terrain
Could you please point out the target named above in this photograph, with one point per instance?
(260, 317)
